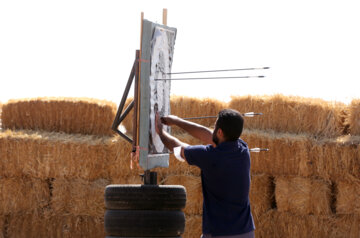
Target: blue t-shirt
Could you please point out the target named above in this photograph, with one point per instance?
(225, 178)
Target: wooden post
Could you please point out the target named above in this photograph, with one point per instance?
(137, 83)
(165, 17)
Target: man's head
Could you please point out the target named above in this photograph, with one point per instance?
(228, 126)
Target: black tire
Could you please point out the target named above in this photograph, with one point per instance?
(145, 197)
(144, 223)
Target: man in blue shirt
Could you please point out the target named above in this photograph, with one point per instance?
(225, 172)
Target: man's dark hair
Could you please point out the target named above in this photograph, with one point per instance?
(231, 123)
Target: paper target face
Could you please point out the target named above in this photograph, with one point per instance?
(162, 48)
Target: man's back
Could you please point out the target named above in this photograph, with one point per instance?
(225, 174)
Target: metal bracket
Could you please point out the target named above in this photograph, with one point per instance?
(120, 116)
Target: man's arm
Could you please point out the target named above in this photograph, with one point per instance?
(196, 130)
(169, 141)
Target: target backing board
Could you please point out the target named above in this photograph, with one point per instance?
(157, 48)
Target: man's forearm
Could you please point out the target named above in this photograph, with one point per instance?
(170, 141)
(201, 132)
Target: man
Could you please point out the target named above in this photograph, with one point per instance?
(225, 172)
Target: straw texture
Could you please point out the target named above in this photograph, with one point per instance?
(70, 115)
(79, 197)
(183, 107)
(303, 196)
(39, 224)
(194, 199)
(354, 117)
(261, 194)
(293, 114)
(284, 224)
(2, 226)
(334, 158)
(59, 155)
(288, 153)
(193, 226)
(23, 194)
(348, 196)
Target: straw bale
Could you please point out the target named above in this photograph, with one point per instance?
(193, 226)
(2, 226)
(194, 198)
(348, 196)
(70, 115)
(288, 153)
(293, 114)
(346, 226)
(183, 107)
(283, 224)
(23, 194)
(303, 196)
(354, 117)
(334, 158)
(118, 157)
(79, 197)
(135, 178)
(261, 194)
(42, 224)
(58, 155)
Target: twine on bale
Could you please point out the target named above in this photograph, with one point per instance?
(293, 114)
(69, 115)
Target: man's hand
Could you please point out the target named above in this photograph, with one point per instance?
(158, 124)
(169, 120)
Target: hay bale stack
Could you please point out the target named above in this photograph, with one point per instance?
(59, 155)
(348, 196)
(288, 154)
(285, 224)
(194, 199)
(79, 197)
(354, 117)
(293, 114)
(34, 225)
(261, 194)
(303, 196)
(334, 158)
(183, 107)
(193, 226)
(69, 115)
(23, 194)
